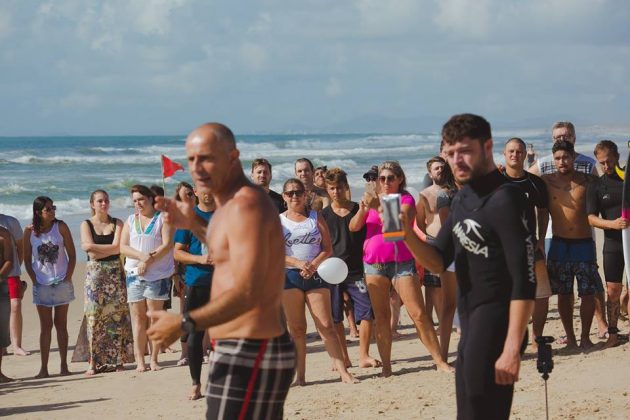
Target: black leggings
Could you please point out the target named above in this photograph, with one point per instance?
(195, 297)
(483, 336)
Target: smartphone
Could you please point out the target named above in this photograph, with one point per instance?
(392, 227)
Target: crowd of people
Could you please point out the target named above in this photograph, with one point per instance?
(478, 233)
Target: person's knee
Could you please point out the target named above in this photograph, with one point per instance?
(614, 291)
(297, 330)
(16, 306)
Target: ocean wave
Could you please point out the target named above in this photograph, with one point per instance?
(69, 207)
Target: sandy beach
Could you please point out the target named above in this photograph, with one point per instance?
(581, 386)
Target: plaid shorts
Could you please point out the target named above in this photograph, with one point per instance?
(250, 379)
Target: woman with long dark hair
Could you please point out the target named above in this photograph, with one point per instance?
(49, 259)
(110, 342)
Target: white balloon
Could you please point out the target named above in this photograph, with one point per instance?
(333, 270)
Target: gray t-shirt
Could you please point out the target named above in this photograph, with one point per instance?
(13, 226)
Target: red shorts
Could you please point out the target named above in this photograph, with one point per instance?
(15, 287)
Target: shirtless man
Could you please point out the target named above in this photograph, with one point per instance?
(6, 263)
(603, 205)
(253, 362)
(565, 130)
(572, 250)
(304, 171)
(432, 210)
(261, 176)
(536, 191)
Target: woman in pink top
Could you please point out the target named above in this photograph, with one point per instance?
(390, 264)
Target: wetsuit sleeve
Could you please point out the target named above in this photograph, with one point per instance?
(511, 217)
(444, 242)
(592, 202)
(541, 188)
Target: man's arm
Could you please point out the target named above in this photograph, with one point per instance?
(507, 366)
(7, 254)
(511, 225)
(431, 257)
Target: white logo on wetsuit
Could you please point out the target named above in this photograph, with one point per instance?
(470, 245)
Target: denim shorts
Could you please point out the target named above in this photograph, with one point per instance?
(293, 280)
(391, 270)
(138, 289)
(53, 295)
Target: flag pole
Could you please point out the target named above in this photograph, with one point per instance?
(163, 180)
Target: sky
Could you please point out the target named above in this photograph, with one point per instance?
(106, 67)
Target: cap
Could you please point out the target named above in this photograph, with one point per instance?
(372, 174)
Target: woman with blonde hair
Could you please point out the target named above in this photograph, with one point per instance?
(390, 265)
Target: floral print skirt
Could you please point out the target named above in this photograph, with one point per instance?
(107, 320)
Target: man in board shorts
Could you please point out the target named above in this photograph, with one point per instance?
(253, 359)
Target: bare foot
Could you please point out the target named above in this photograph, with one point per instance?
(42, 374)
(354, 334)
(91, 371)
(19, 351)
(5, 379)
(571, 344)
(142, 368)
(602, 331)
(64, 370)
(120, 368)
(196, 393)
(369, 362)
(299, 382)
(347, 378)
(586, 343)
(155, 366)
(396, 335)
(444, 367)
(613, 341)
(386, 372)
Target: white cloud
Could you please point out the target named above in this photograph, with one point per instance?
(464, 17)
(333, 87)
(254, 56)
(79, 102)
(6, 25)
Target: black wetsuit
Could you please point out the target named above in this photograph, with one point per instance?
(603, 197)
(535, 191)
(278, 201)
(487, 234)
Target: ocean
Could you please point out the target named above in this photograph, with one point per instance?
(67, 169)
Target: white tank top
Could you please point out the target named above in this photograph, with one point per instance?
(146, 242)
(302, 240)
(50, 261)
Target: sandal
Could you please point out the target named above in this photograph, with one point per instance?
(182, 362)
(562, 340)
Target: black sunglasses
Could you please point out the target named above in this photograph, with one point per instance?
(294, 193)
(370, 178)
(50, 209)
(388, 178)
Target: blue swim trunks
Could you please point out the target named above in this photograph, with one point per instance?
(573, 258)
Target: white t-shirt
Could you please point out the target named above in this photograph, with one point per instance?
(302, 240)
(13, 226)
(146, 242)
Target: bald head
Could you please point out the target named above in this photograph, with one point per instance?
(216, 133)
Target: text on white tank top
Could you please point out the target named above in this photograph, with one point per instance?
(302, 240)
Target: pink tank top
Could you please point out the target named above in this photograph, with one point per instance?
(375, 249)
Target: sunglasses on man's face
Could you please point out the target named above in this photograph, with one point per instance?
(388, 178)
(294, 193)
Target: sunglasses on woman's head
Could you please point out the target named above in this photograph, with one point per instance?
(388, 178)
(294, 193)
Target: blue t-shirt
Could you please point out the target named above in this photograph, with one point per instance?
(196, 274)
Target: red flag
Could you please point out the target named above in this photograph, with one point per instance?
(169, 167)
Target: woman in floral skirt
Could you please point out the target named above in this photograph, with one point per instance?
(110, 341)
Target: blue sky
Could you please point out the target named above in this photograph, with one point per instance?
(164, 66)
